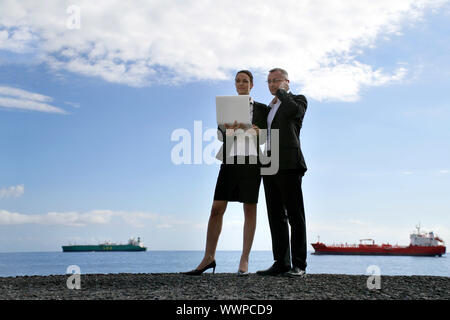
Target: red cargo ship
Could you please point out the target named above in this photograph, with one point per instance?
(422, 244)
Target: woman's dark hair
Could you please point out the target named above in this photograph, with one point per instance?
(247, 73)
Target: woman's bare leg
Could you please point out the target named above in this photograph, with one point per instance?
(213, 233)
(249, 233)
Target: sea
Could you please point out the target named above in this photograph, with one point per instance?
(59, 263)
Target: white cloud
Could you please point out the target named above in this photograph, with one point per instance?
(14, 98)
(143, 42)
(343, 82)
(77, 219)
(56, 218)
(18, 39)
(73, 104)
(23, 95)
(12, 192)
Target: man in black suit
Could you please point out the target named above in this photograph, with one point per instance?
(283, 190)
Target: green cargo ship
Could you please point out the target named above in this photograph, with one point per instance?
(132, 245)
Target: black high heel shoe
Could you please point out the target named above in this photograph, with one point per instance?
(197, 272)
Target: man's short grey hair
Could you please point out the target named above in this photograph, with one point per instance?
(283, 72)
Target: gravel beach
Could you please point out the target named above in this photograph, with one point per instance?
(223, 286)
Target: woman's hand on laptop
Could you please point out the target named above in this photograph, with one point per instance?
(255, 129)
(235, 125)
(230, 128)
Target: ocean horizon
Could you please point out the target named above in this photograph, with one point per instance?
(14, 264)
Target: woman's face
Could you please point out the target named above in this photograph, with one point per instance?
(243, 84)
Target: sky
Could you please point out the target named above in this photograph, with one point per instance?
(97, 98)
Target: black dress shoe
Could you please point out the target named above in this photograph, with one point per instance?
(274, 270)
(197, 272)
(295, 272)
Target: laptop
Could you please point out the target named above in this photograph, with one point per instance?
(233, 108)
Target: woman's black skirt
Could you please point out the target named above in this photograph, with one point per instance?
(238, 182)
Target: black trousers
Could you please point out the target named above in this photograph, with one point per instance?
(284, 200)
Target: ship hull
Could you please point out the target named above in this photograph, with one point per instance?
(102, 248)
(321, 249)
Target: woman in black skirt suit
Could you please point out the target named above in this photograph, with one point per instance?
(236, 182)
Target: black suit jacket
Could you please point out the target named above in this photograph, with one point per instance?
(288, 120)
(260, 112)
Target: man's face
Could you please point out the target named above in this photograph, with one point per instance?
(275, 79)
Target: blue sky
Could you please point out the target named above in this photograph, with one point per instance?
(86, 118)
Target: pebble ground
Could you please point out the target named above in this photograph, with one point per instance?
(223, 286)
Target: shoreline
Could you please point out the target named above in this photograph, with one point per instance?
(223, 286)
